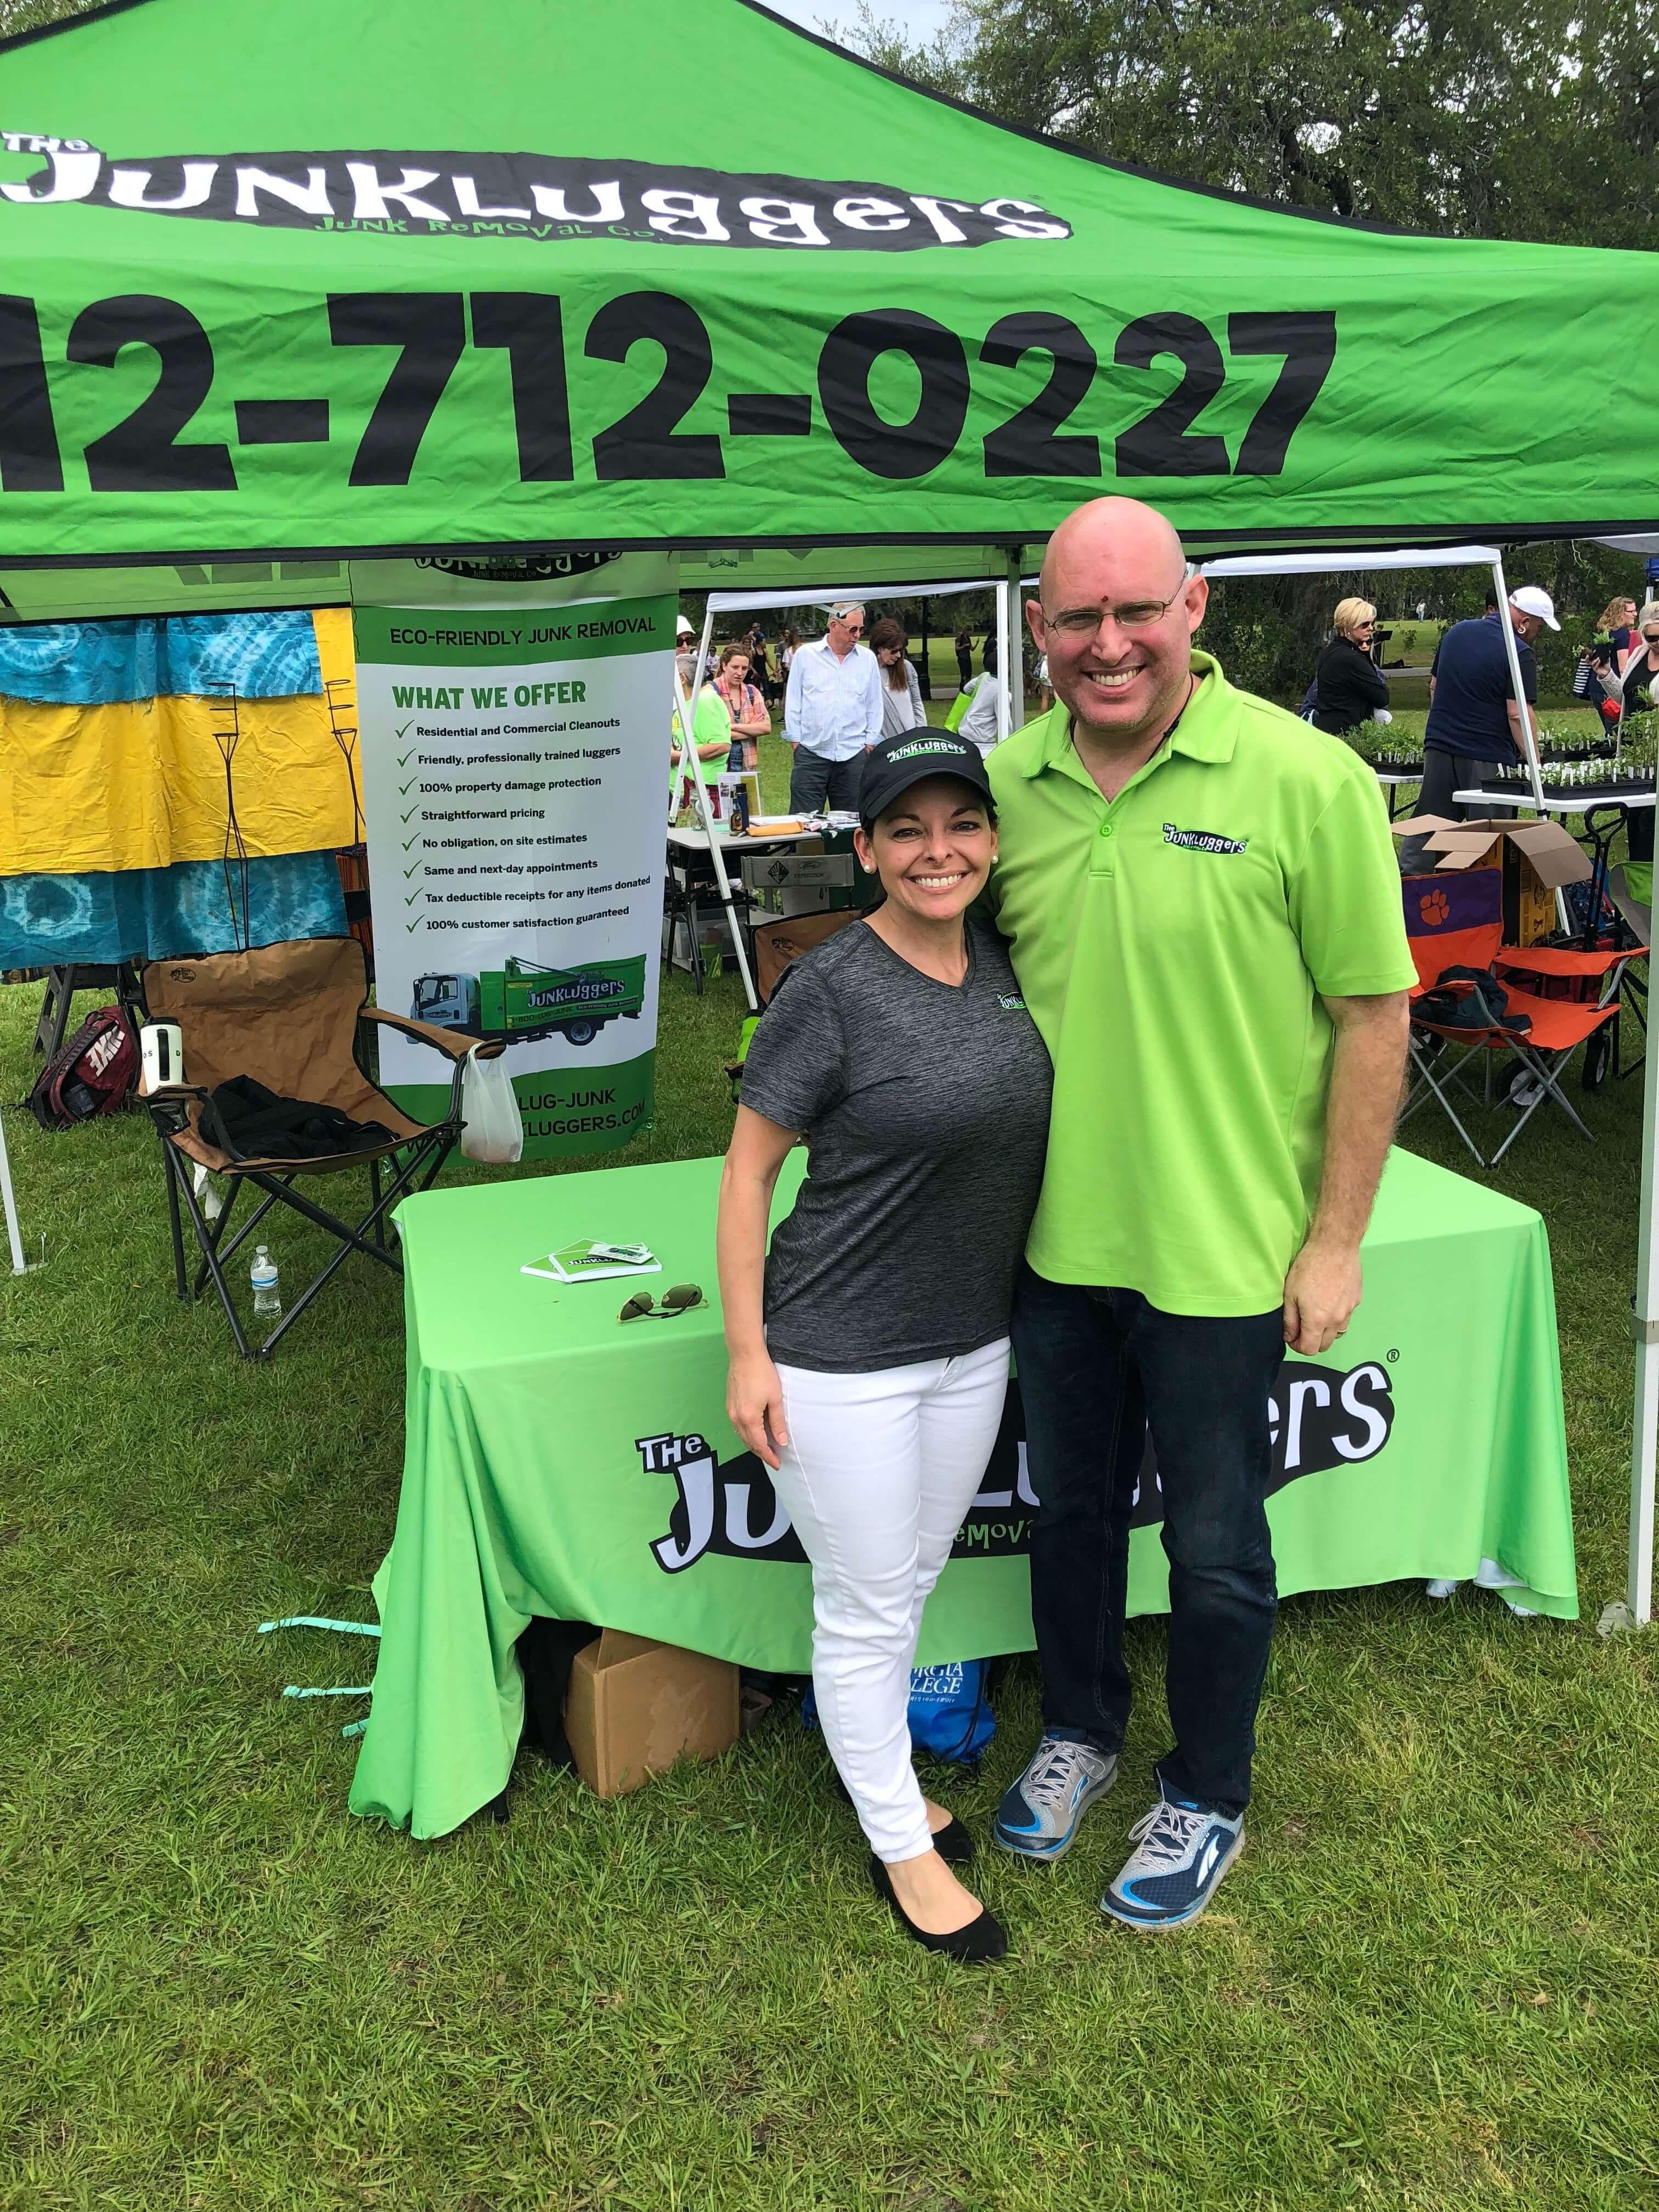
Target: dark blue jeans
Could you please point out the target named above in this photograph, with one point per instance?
(1098, 1367)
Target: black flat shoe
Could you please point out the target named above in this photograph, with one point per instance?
(979, 1944)
(953, 1842)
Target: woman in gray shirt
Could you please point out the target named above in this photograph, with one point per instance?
(869, 1349)
(900, 688)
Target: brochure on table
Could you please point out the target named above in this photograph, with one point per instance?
(513, 743)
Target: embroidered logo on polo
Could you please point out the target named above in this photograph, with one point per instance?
(1202, 840)
(1318, 1418)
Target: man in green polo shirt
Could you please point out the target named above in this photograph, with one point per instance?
(1202, 905)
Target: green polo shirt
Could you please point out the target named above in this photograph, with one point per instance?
(1173, 948)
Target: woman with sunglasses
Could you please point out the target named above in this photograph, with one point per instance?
(869, 1348)
(1349, 687)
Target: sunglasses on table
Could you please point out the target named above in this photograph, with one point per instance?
(678, 1299)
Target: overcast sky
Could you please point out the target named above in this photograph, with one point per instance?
(919, 18)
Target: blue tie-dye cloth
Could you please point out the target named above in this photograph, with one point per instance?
(96, 664)
(159, 914)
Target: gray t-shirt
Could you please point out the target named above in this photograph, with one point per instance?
(926, 1111)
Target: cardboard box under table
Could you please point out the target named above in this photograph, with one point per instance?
(1538, 858)
(559, 1462)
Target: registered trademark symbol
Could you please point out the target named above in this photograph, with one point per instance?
(1391, 1356)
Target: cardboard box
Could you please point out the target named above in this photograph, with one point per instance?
(636, 1706)
(1537, 858)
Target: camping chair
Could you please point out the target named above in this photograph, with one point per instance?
(1541, 1030)
(291, 1016)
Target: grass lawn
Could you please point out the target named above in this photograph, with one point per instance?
(1430, 1984)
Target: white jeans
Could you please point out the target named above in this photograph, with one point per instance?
(878, 1475)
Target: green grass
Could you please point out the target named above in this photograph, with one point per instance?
(1430, 1983)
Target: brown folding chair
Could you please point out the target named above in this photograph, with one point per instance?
(292, 1017)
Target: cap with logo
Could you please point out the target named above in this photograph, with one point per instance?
(911, 758)
(1533, 599)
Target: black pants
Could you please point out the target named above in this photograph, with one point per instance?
(1445, 773)
(816, 783)
(1097, 1368)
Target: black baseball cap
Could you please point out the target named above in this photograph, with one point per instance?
(913, 756)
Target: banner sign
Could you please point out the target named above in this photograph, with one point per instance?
(515, 752)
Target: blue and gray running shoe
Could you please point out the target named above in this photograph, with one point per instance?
(1181, 1854)
(1039, 1814)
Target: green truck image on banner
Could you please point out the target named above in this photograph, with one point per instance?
(523, 1000)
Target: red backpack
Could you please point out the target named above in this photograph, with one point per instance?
(94, 1073)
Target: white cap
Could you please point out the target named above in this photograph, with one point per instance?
(682, 629)
(1533, 599)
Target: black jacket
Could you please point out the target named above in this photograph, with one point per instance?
(1349, 683)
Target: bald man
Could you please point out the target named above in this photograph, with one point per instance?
(1203, 906)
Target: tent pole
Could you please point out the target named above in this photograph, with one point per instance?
(1645, 1437)
(19, 1264)
(1002, 678)
(1016, 622)
(682, 708)
(1527, 744)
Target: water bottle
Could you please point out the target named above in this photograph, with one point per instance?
(263, 1276)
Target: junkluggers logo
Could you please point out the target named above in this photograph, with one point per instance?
(519, 195)
(1319, 1418)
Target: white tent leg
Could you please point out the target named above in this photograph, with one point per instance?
(688, 759)
(1644, 1438)
(1002, 675)
(1014, 667)
(19, 1264)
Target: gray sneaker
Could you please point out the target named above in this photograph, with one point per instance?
(1039, 1814)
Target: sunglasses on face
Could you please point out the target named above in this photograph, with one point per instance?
(1135, 614)
(678, 1299)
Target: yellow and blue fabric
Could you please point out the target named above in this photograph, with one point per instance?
(158, 776)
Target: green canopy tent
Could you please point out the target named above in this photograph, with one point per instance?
(345, 275)
(288, 285)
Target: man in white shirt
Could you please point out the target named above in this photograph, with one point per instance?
(832, 714)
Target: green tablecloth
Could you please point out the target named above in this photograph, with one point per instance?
(559, 1464)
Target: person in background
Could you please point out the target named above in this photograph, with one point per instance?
(1641, 672)
(1475, 724)
(1618, 619)
(788, 647)
(743, 702)
(759, 662)
(686, 653)
(832, 714)
(711, 736)
(1348, 685)
(869, 1348)
(979, 724)
(964, 649)
(1201, 903)
(901, 687)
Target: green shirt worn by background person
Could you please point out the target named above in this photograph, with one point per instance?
(1173, 948)
(709, 720)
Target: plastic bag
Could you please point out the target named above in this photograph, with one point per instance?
(949, 1711)
(492, 1126)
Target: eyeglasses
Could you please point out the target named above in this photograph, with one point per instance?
(680, 1299)
(855, 626)
(1137, 614)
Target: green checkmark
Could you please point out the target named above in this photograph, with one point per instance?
(408, 842)
(413, 810)
(408, 872)
(407, 725)
(404, 759)
(412, 897)
(403, 789)
(412, 925)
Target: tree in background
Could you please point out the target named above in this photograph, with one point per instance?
(1511, 118)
